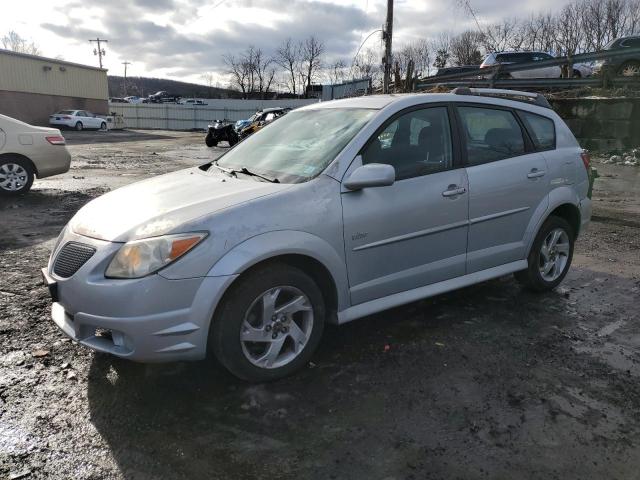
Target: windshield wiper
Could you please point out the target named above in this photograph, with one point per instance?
(246, 171)
(229, 171)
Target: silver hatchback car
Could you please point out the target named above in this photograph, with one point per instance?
(333, 212)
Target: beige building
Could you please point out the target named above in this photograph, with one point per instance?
(32, 87)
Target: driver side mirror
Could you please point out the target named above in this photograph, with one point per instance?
(371, 175)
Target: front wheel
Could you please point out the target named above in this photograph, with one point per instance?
(103, 126)
(550, 256)
(233, 138)
(209, 141)
(269, 324)
(16, 176)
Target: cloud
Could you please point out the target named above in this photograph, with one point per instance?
(189, 37)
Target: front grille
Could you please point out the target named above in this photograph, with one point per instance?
(71, 257)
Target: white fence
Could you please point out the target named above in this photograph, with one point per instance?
(170, 116)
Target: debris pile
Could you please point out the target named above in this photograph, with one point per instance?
(629, 159)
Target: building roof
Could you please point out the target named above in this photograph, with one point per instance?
(50, 60)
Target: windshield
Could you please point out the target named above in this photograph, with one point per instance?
(299, 145)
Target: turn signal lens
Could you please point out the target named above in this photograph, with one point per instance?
(142, 257)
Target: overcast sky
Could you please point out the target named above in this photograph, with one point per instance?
(181, 39)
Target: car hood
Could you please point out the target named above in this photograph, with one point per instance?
(162, 204)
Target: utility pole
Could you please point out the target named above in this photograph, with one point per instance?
(100, 52)
(124, 82)
(387, 36)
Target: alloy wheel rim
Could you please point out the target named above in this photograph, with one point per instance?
(13, 177)
(631, 70)
(276, 327)
(554, 254)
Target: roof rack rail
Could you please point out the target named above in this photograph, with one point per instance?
(535, 98)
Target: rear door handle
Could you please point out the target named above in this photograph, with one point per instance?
(535, 173)
(454, 190)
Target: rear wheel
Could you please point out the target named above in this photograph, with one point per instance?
(630, 69)
(78, 126)
(577, 74)
(233, 138)
(269, 324)
(550, 256)
(16, 176)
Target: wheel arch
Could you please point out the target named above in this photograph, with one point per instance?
(21, 157)
(562, 202)
(302, 250)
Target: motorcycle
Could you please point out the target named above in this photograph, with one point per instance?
(219, 131)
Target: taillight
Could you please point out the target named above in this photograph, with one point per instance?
(586, 159)
(56, 140)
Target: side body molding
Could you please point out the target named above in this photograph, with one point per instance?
(285, 242)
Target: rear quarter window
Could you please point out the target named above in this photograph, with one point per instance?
(542, 129)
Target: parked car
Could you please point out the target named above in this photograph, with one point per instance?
(262, 118)
(192, 102)
(118, 100)
(554, 71)
(164, 97)
(314, 219)
(27, 152)
(626, 65)
(78, 120)
(135, 99)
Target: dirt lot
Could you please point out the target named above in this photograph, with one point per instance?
(487, 382)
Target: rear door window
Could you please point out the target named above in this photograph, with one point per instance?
(491, 134)
(541, 129)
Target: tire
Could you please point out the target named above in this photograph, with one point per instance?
(103, 126)
(78, 126)
(233, 139)
(209, 141)
(533, 277)
(16, 176)
(577, 74)
(273, 355)
(630, 68)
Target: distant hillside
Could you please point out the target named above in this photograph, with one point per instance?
(143, 86)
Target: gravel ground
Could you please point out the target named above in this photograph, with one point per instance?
(486, 382)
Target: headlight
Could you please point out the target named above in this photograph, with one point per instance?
(141, 257)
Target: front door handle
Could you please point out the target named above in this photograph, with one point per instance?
(535, 173)
(453, 190)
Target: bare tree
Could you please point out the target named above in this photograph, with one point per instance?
(442, 48)
(538, 33)
(311, 61)
(14, 42)
(288, 57)
(367, 65)
(208, 78)
(238, 69)
(506, 34)
(466, 48)
(263, 70)
(336, 73)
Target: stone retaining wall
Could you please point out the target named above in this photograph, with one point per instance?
(602, 124)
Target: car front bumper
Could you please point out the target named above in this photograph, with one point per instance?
(151, 319)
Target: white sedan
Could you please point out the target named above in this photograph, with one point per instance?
(27, 152)
(77, 119)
